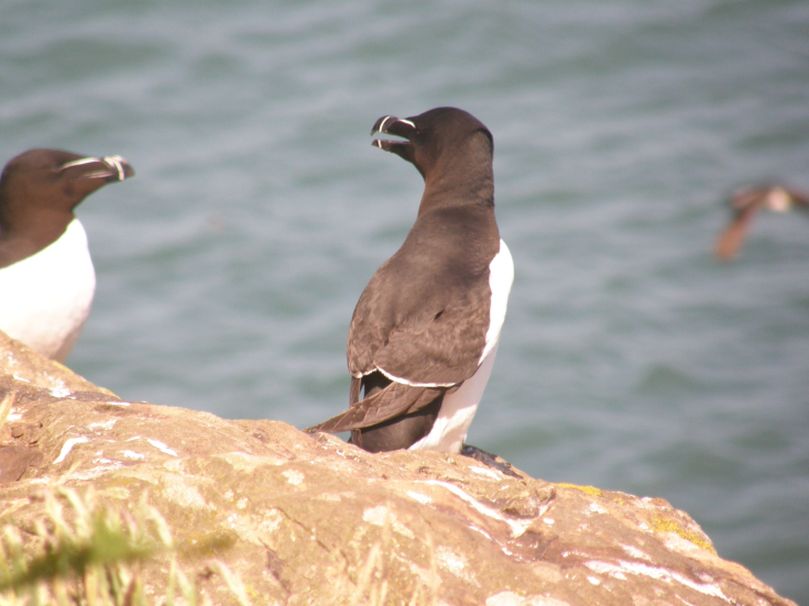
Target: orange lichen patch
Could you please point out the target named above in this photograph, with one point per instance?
(666, 524)
(593, 491)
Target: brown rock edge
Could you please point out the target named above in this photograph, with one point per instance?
(314, 520)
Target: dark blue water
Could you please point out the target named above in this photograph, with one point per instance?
(229, 267)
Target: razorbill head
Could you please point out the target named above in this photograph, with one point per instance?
(745, 203)
(47, 278)
(424, 333)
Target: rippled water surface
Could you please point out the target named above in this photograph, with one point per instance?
(229, 267)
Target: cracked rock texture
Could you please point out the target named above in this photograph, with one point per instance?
(313, 520)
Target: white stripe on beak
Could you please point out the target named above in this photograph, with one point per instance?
(79, 162)
(116, 162)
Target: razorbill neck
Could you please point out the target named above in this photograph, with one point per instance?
(425, 330)
(744, 204)
(47, 278)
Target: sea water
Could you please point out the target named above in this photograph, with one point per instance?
(228, 268)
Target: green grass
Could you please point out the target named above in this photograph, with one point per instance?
(76, 551)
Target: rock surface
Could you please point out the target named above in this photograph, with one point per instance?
(313, 520)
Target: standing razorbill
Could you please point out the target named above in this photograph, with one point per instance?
(47, 280)
(424, 333)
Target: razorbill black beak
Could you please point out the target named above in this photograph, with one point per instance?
(399, 127)
(108, 168)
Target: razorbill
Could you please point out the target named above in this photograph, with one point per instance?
(47, 278)
(744, 203)
(425, 330)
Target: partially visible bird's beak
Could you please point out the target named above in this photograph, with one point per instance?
(399, 127)
(121, 166)
(391, 125)
(110, 168)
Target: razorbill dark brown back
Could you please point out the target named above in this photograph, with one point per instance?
(744, 204)
(47, 279)
(425, 330)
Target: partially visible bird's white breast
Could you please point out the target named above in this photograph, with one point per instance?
(46, 298)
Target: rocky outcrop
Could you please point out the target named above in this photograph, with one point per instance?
(313, 520)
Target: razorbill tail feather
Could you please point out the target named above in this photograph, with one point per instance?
(425, 330)
(47, 280)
